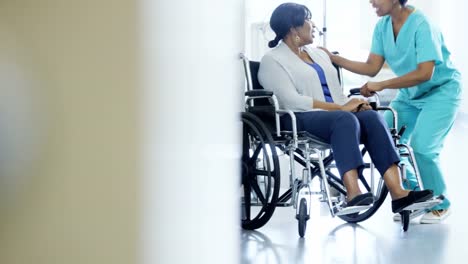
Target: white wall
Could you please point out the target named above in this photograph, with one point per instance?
(453, 25)
(193, 85)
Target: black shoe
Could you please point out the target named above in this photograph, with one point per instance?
(413, 197)
(362, 199)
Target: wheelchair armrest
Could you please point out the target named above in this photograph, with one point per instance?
(293, 124)
(375, 106)
(259, 93)
(394, 116)
(262, 94)
(373, 100)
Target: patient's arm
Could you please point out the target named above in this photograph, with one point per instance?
(353, 105)
(326, 106)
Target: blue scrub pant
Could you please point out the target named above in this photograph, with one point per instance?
(428, 122)
(345, 131)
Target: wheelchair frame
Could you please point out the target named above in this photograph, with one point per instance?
(260, 165)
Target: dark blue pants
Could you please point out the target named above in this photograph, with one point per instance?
(345, 131)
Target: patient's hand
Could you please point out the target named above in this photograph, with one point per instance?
(356, 105)
(364, 107)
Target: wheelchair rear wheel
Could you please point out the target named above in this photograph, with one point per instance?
(260, 173)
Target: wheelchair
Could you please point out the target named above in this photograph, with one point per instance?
(262, 143)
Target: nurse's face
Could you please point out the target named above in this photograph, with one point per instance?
(383, 7)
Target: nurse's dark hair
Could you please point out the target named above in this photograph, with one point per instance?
(285, 17)
(403, 2)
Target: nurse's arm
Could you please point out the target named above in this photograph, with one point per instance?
(371, 67)
(422, 74)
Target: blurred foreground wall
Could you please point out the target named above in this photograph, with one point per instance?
(68, 131)
(119, 131)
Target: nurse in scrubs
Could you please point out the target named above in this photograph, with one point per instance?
(429, 87)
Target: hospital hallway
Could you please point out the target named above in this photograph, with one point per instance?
(121, 136)
(377, 240)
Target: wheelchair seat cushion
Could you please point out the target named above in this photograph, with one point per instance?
(316, 142)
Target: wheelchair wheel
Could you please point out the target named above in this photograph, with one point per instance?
(380, 193)
(260, 173)
(302, 217)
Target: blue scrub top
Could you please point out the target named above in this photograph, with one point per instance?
(418, 41)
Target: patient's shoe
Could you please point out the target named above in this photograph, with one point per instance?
(413, 197)
(362, 199)
(435, 216)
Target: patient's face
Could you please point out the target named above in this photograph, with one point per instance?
(306, 32)
(382, 7)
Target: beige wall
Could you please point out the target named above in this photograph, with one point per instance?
(78, 202)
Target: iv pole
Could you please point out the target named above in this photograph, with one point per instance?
(323, 33)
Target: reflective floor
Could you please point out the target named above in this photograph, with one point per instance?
(377, 240)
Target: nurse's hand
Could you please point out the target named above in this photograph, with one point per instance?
(371, 88)
(375, 86)
(326, 51)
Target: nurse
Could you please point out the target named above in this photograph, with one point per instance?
(429, 87)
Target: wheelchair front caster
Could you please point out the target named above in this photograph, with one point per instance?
(405, 219)
(302, 217)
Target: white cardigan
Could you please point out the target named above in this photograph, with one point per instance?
(295, 83)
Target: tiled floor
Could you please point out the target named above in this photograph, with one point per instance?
(377, 240)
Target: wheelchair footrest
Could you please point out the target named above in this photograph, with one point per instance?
(338, 210)
(417, 213)
(426, 204)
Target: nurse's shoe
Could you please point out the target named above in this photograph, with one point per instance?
(435, 216)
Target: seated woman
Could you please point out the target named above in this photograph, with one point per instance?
(305, 81)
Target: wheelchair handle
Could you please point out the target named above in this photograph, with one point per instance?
(372, 100)
(398, 135)
(355, 91)
(402, 130)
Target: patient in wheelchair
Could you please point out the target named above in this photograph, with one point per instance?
(305, 82)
